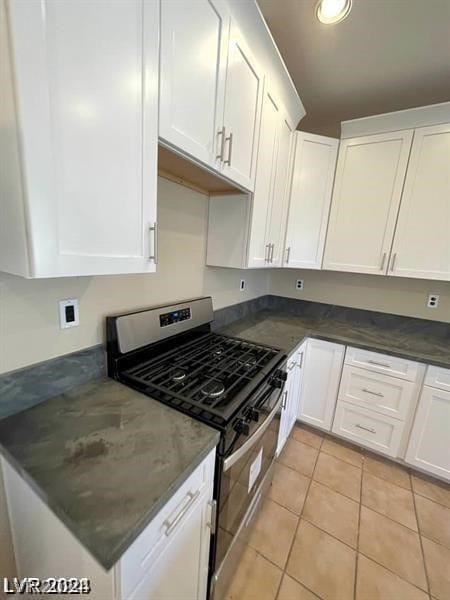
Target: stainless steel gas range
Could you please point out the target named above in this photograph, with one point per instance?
(171, 354)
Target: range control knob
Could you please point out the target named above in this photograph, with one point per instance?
(253, 414)
(241, 427)
(279, 378)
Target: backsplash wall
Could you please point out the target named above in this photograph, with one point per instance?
(29, 321)
(396, 295)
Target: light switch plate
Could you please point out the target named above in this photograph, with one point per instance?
(69, 313)
(242, 285)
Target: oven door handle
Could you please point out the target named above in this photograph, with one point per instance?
(229, 462)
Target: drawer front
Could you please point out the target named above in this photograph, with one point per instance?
(382, 363)
(142, 553)
(438, 377)
(367, 428)
(374, 391)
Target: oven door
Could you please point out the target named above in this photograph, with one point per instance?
(244, 468)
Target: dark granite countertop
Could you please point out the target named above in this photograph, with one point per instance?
(105, 459)
(415, 339)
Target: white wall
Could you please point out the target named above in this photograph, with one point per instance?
(29, 326)
(395, 295)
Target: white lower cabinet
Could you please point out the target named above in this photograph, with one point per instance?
(377, 397)
(387, 395)
(429, 442)
(291, 395)
(168, 561)
(320, 383)
(368, 428)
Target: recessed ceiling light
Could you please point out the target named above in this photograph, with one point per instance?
(332, 11)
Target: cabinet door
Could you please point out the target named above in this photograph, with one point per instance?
(87, 99)
(278, 210)
(242, 114)
(310, 196)
(429, 443)
(367, 190)
(181, 569)
(194, 38)
(296, 387)
(321, 376)
(422, 237)
(265, 180)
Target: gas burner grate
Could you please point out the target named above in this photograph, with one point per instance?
(203, 376)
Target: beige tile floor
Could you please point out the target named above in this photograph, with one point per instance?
(340, 523)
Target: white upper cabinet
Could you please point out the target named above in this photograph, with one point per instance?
(242, 112)
(259, 250)
(368, 186)
(86, 90)
(194, 45)
(422, 238)
(246, 230)
(278, 212)
(314, 164)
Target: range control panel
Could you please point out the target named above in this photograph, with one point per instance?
(174, 317)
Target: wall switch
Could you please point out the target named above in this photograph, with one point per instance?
(242, 285)
(69, 313)
(299, 284)
(433, 301)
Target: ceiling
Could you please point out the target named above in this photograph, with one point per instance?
(386, 55)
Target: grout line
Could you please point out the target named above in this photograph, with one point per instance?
(359, 527)
(296, 530)
(393, 572)
(421, 544)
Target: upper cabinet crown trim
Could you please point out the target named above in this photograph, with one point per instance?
(422, 116)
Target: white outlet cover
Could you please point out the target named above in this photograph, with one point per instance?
(299, 284)
(69, 313)
(432, 301)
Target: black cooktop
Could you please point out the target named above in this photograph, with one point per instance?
(208, 377)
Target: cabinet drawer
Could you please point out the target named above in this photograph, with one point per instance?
(139, 557)
(375, 391)
(368, 428)
(438, 377)
(382, 363)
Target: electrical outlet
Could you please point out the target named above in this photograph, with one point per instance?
(69, 313)
(242, 285)
(433, 301)
(299, 284)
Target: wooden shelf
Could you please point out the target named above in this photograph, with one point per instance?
(179, 169)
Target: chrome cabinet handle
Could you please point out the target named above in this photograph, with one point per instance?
(300, 362)
(383, 260)
(379, 364)
(170, 525)
(288, 254)
(154, 252)
(272, 248)
(379, 394)
(213, 518)
(229, 139)
(221, 133)
(394, 258)
(369, 429)
(267, 253)
(283, 403)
